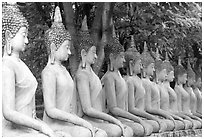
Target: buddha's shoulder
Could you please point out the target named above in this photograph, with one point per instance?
(109, 74)
(177, 88)
(81, 74)
(146, 82)
(48, 70)
(7, 62)
(130, 79)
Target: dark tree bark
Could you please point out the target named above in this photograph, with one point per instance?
(106, 15)
(69, 20)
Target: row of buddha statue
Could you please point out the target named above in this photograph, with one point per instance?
(85, 106)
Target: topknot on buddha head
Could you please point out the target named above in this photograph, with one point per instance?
(131, 53)
(12, 20)
(57, 34)
(85, 40)
(179, 69)
(146, 57)
(167, 64)
(113, 47)
(190, 72)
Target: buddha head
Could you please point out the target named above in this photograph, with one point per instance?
(198, 82)
(114, 52)
(190, 74)
(132, 58)
(180, 73)
(147, 62)
(87, 47)
(14, 29)
(160, 69)
(169, 69)
(58, 39)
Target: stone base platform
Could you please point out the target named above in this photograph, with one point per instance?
(180, 133)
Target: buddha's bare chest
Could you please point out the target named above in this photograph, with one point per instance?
(120, 87)
(139, 90)
(172, 94)
(155, 92)
(64, 83)
(192, 95)
(184, 94)
(164, 93)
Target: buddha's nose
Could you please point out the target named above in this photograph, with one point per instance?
(95, 56)
(26, 40)
(69, 52)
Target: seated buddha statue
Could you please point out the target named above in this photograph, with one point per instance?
(116, 90)
(58, 85)
(136, 91)
(188, 87)
(183, 96)
(18, 83)
(173, 107)
(197, 91)
(89, 89)
(152, 93)
(161, 73)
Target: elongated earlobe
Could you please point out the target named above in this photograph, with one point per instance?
(130, 68)
(111, 66)
(83, 60)
(8, 48)
(83, 65)
(52, 54)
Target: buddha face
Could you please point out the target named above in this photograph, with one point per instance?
(170, 76)
(182, 78)
(19, 41)
(137, 66)
(119, 60)
(150, 69)
(63, 52)
(91, 55)
(161, 75)
(191, 81)
(198, 83)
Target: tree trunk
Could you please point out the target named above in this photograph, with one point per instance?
(69, 19)
(106, 15)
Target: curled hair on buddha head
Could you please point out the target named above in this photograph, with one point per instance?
(12, 21)
(113, 47)
(190, 72)
(179, 69)
(131, 54)
(167, 65)
(57, 33)
(85, 42)
(146, 57)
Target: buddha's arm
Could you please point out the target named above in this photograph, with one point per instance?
(175, 116)
(109, 85)
(84, 95)
(192, 116)
(178, 99)
(183, 116)
(8, 103)
(189, 114)
(199, 102)
(131, 104)
(148, 106)
(197, 114)
(49, 95)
